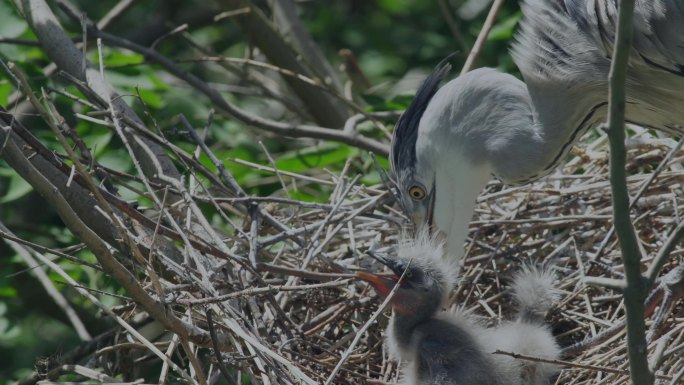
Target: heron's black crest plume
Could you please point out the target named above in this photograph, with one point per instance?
(403, 150)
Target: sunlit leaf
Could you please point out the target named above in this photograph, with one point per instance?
(504, 30)
(17, 188)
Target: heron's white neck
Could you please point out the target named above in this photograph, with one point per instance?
(456, 190)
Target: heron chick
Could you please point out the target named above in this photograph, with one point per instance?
(448, 348)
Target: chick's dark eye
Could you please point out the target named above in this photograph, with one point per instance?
(416, 193)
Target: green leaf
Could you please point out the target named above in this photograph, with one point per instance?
(315, 157)
(504, 29)
(98, 141)
(119, 58)
(7, 291)
(5, 90)
(151, 98)
(16, 189)
(11, 25)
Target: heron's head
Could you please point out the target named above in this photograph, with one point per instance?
(423, 276)
(452, 139)
(414, 178)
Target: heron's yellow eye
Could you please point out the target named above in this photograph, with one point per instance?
(416, 193)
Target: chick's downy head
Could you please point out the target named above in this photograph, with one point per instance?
(423, 275)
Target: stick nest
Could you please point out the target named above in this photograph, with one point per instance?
(286, 308)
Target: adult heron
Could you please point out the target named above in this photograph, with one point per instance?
(452, 139)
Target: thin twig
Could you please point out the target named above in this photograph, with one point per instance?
(482, 36)
(636, 290)
(365, 327)
(570, 364)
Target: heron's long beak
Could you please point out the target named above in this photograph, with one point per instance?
(381, 283)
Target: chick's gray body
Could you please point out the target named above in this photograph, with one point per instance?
(441, 344)
(449, 348)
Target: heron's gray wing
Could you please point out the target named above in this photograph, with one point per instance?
(659, 34)
(564, 49)
(658, 28)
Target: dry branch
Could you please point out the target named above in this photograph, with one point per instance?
(635, 290)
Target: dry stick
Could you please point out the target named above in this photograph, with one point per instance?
(85, 372)
(110, 264)
(653, 299)
(254, 246)
(261, 290)
(60, 48)
(314, 82)
(451, 23)
(237, 189)
(55, 121)
(217, 350)
(365, 327)
(287, 201)
(635, 290)
(571, 364)
(194, 362)
(42, 277)
(285, 129)
(100, 292)
(260, 32)
(302, 273)
(173, 345)
(118, 319)
(663, 253)
(484, 32)
(277, 172)
(663, 164)
(355, 120)
(286, 15)
(45, 250)
(114, 13)
(261, 167)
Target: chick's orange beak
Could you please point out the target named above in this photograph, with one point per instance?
(381, 283)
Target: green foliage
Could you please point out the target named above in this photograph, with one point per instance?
(16, 186)
(504, 29)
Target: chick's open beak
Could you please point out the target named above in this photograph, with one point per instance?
(381, 283)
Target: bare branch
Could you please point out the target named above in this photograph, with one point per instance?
(325, 109)
(484, 32)
(280, 128)
(287, 19)
(636, 290)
